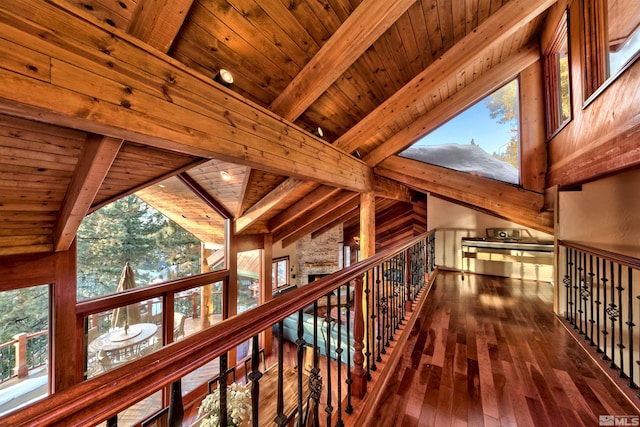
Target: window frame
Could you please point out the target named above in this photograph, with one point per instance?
(595, 52)
(553, 93)
(274, 272)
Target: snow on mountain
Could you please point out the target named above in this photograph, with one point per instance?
(465, 158)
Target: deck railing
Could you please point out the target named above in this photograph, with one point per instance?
(22, 353)
(380, 285)
(600, 292)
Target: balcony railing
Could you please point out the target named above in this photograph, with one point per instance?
(598, 299)
(376, 292)
(24, 352)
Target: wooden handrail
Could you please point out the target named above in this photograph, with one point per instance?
(132, 296)
(610, 255)
(105, 395)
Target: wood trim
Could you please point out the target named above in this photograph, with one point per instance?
(612, 254)
(66, 344)
(367, 225)
(23, 271)
(93, 165)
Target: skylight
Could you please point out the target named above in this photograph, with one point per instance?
(483, 140)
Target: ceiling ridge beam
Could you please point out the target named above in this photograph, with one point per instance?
(98, 154)
(500, 74)
(260, 209)
(493, 31)
(357, 33)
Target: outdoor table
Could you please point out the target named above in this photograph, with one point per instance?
(118, 343)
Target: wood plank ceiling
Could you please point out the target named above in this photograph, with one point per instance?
(370, 73)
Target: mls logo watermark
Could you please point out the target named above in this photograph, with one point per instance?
(619, 420)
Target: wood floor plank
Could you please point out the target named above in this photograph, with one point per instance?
(490, 352)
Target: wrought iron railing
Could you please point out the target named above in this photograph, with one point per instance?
(600, 292)
(344, 345)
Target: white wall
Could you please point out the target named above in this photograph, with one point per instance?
(605, 213)
(454, 222)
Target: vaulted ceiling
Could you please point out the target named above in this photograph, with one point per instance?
(104, 98)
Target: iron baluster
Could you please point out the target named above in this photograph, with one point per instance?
(581, 300)
(327, 342)
(379, 319)
(604, 306)
(223, 389)
(255, 376)
(281, 418)
(621, 346)
(349, 381)
(339, 422)
(300, 343)
(591, 317)
(612, 312)
(598, 304)
(369, 324)
(315, 380)
(630, 324)
(576, 288)
(567, 284)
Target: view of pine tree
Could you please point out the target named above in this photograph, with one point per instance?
(129, 230)
(23, 311)
(503, 106)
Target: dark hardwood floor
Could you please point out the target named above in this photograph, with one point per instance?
(489, 351)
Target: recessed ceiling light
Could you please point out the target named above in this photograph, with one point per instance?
(161, 185)
(224, 77)
(225, 176)
(318, 132)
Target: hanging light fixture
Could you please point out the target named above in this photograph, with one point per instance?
(224, 77)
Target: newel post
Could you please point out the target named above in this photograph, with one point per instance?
(21, 369)
(358, 373)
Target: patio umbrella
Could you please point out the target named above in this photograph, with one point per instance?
(130, 314)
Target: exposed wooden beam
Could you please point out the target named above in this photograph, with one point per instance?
(110, 83)
(204, 195)
(323, 220)
(243, 192)
(503, 200)
(302, 206)
(361, 29)
(493, 31)
(260, 209)
(95, 161)
(390, 189)
(321, 210)
(452, 106)
(157, 22)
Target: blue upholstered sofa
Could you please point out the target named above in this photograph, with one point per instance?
(290, 331)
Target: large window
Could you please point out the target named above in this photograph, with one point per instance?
(612, 39)
(280, 272)
(483, 140)
(131, 231)
(557, 81)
